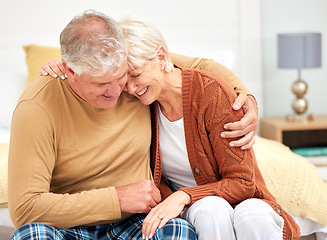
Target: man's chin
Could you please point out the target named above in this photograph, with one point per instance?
(106, 104)
(110, 105)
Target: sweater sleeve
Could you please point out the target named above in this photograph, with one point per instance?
(222, 170)
(32, 158)
(213, 67)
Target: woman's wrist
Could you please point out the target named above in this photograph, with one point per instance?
(186, 198)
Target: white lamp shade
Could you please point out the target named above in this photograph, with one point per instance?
(299, 50)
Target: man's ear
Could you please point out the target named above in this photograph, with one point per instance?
(70, 72)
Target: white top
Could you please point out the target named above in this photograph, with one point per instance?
(175, 165)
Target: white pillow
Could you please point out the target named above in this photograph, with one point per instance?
(10, 91)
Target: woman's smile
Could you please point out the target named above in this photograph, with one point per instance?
(142, 91)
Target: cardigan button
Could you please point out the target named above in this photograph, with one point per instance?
(196, 171)
(279, 210)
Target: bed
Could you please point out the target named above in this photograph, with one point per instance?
(299, 197)
(291, 178)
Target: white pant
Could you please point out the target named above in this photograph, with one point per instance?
(214, 218)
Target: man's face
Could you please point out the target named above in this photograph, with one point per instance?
(101, 92)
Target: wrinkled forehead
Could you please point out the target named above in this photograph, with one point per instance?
(118, 71)
(141, 68)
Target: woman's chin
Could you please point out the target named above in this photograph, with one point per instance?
(146, 101)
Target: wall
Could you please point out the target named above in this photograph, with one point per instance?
(227, 31)
(239, 34)
(283, 16)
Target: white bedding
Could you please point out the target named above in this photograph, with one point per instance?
(309, 227)
(4, 218)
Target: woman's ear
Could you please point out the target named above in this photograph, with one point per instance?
(161, 55)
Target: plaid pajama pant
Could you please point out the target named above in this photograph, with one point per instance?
(130, 228)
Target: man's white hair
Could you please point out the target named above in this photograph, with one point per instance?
(93, 43)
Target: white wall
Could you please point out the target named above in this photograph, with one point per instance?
(227, 31)
(240, 34)
(283, 16)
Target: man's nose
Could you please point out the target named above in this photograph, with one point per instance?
(115, 89)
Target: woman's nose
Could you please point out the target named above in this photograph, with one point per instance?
(130, 86)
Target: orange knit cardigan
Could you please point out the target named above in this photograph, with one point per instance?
(219, 170)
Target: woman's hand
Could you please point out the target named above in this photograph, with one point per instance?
(55, 68)
(170, 208)
(247, 126)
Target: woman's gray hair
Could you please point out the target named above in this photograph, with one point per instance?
(143, 40)
(93, 43)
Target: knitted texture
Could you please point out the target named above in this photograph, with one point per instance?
(219, 170)
(293, 180)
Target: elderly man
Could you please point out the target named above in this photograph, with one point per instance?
(79, 151)
(80, 148)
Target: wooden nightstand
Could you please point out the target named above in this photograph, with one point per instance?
(295, 134)
(299, 135)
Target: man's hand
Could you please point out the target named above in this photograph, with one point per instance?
(247, 126)
(138, 197)
(54, 68)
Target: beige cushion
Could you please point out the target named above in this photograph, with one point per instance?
(36, 56)
(4, 147)
(293, 180)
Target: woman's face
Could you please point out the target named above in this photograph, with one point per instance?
(146, 83)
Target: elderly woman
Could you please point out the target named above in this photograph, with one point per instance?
(217, 188)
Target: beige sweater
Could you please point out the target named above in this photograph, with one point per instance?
(66, 157)
(210, 66)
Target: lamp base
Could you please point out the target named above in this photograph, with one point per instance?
(300, 118)
(300, 104)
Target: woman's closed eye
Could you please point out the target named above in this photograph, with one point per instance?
(136, 75)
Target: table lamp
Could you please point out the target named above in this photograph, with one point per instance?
(299, 51)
